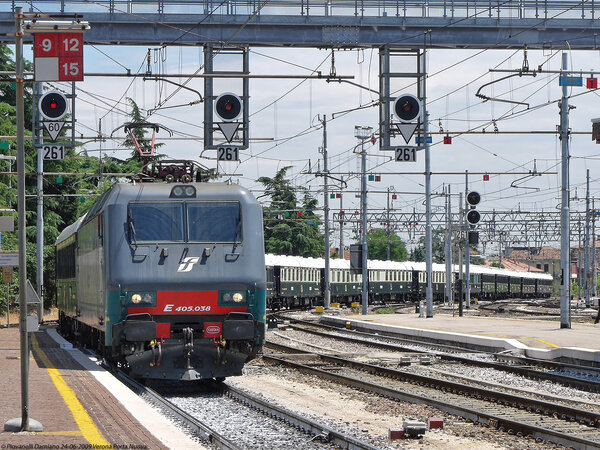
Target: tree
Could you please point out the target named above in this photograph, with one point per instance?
(290, 228)
(377, 246)
(438, 240)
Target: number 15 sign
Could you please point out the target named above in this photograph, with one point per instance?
(58, 56)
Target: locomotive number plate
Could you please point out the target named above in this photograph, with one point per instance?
(182, 309)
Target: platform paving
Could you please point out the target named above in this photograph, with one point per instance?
(544, 334)
(76, 410)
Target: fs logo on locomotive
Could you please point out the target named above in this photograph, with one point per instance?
(188, 264)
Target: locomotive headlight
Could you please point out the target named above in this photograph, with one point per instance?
(232, 298)
(185, 191)
(143, 298)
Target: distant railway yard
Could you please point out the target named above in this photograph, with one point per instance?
(328, 386)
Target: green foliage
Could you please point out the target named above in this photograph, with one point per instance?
(575, 289)
(498, 265)
(377, 246)
(438, 240)
(387, 310)
(291, 227)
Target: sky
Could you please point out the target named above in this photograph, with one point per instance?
(285, 128)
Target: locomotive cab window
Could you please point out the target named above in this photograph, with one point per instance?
(184, 221)
(214, 221)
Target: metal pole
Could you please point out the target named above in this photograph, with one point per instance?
(565, 286)
(467, 283)
(388, 224)
(363, 198)
(21, 207)
(579, 265)
(327, 293)
(586, 244)
(342, 253)
(460, 253)
(448, 247)
(594, 276)
(38, 139)
(428, 256)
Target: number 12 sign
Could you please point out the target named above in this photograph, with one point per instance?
(58, 56)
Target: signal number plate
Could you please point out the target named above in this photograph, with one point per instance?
(406, 154)
(228, 154)
(54, 152)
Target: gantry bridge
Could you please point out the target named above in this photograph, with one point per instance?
(520, 227)
(474, 24)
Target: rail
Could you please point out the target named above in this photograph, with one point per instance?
(554, 429)
(473, 9)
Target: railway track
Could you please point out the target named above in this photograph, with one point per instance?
(319, 431)
(197, 427)
(513, 364)
(548, 421)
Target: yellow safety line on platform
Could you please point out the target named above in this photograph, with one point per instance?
(61, 433)
(84, 421)
(548, 343)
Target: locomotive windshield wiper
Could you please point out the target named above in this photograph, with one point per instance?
(131, 227)
(235, 237)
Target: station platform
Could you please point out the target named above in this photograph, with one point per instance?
(542, 339)
(77, 402)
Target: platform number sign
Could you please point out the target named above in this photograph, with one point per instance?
(53, 152)
(58, 56)
(406, 154)
(228, 153)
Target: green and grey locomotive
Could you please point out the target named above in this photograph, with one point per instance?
(166, 280)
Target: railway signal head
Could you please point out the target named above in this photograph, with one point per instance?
(473, 217)
(53, 105)
(473, 198)
(407, 108)
(228, 107)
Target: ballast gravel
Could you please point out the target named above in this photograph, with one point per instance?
(245, 426)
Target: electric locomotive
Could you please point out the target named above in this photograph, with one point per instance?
(166, 280)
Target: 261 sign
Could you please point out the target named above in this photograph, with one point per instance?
(228, 154)
(406, 154)
(53, 152)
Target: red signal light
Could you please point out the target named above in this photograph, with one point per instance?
(447, 140)
(486, 177)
